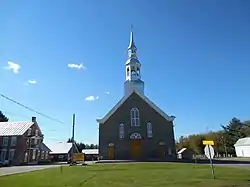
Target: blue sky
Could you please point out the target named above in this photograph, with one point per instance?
(195, 59)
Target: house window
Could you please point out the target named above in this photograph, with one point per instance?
(26, 157)
(42, 155)
(5, 141)
(121, 131)
(46, 155)
(38, 153)
(3, 154)
(34, 154)
(134, 114)
(35, 141)
(149, 130)
(29, 131)
(37, 132)
(13, 140)
(11, 154)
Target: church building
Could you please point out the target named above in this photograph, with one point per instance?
(135, 128)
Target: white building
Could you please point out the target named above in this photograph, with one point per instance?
(242, 147)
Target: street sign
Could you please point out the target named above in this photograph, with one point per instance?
(208, 142)
(209, 151)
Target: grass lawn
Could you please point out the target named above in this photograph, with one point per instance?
(131, 175)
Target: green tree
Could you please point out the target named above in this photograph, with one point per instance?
(183, 142)
(232, 132)
(69, 140)
(195, 143)
(3, 118)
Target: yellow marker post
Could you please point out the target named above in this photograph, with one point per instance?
(208, 142)
(78, 157)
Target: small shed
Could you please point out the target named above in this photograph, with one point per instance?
(185, 154)
(242, 147)
(90, 154)
(60, 152)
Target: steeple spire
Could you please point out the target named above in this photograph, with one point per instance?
(131, 43)
(133, 68)
(131, 47)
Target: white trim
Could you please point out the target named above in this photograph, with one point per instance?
(157, 109)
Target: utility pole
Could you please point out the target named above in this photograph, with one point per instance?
(73, 138)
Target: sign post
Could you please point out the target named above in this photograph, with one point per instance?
(209, 152)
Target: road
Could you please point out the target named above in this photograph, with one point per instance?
(23, 169)
(242, 166)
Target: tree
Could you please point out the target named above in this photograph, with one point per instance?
(69, 140)
(232, 132)
(80, 146)
(3, 118)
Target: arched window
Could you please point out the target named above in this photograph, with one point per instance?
(135, 136)
(121, 131)
(134, 115)
(149, 130)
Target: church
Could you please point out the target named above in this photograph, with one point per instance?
(135, 128)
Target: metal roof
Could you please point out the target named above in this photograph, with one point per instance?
(14, 128)
(90, 151)
(243, 142)
(182, 150)
(60, 148)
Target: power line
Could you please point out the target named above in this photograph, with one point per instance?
(30, 109)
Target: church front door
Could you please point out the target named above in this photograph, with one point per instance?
(135, 149)
(162, 151)
(111, 152)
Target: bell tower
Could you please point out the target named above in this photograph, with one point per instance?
(133, 69)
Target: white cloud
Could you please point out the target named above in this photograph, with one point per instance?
(32, 81)
(76, 66)
(107, 93)
(92, 98)
(13, 67)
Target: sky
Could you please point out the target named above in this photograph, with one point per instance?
(62, 57)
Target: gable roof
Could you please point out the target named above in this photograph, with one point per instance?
(60, 148)
(90, 151)
(243, 142)
(44, 147)
(14, 128)
(148, 101)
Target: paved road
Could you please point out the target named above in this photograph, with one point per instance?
(243, 166)
(23, 169)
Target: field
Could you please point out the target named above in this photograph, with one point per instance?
(131, 175)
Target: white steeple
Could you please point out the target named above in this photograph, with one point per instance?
(133, 69)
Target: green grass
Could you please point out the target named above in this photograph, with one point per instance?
(131, 175)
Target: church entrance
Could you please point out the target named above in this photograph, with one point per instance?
(111, 151)
(135, 146)
(161, 148)
(135, 149)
